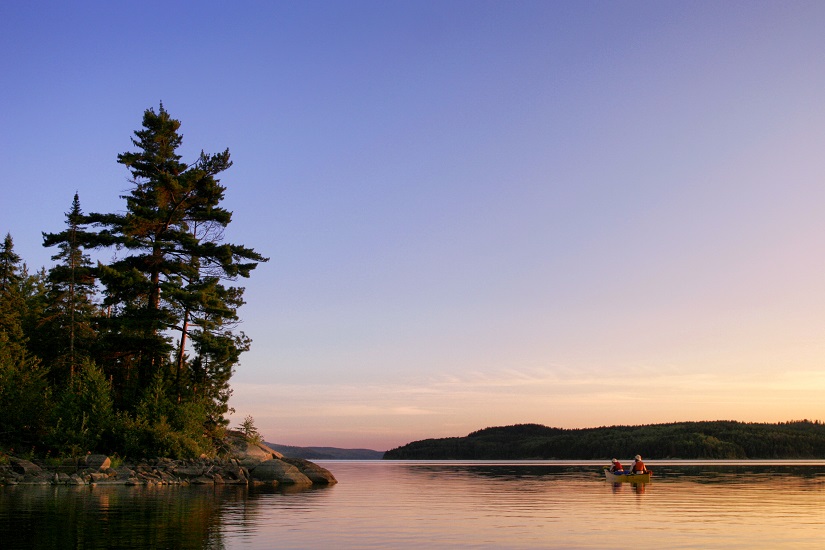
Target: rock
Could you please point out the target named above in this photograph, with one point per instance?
(203, 480)
(280, 471)
(317, 474)
(75, 479)
(252, 464)
(188, 471)
(236, 475)
(124, 473)
(250, 454)
(97, 462)
(24, 467)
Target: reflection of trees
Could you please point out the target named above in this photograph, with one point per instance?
(250, 513)
(506, 472)
(736, 473)
(112, 517)
(698, 473)
(133, 517)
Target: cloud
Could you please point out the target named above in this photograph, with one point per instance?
(440, 394)
(455, 404)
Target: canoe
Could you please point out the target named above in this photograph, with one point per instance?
(630, 478)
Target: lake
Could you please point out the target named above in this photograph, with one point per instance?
(416, 504)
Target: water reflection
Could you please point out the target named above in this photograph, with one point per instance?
(439, 505)
(700, 472)
(106, 517)
(127, 517)
(638, 487)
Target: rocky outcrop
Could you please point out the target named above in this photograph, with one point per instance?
(25, 467)
(247, 464)
(248, 453)
(315, 473)
(96, 462)
(281, 472)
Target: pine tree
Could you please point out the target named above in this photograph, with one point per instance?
(171, 278)
(12, 302)
(66, 327)
(24, 394)
(9, 265)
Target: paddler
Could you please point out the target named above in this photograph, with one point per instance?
(638, 466)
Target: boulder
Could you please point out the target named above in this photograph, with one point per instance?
(316, 474)
(124, 473)
(75, 479)
(97, 462)
(281, 472)
(24, 467)
(250, 454)
(189, 471)
(234, 474)
(202, 480)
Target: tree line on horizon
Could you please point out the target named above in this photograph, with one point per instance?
(132, 355)
(685, 440)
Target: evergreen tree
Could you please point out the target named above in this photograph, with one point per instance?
(146, 370)
(33, 293)
(83, 419)
(171, 278)
(12, 302)
(66, 327)
(9, 264)
(24, 394)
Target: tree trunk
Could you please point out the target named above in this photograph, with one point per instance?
(181, 351)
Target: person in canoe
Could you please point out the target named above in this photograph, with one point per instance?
(616, 467)
(638, 466)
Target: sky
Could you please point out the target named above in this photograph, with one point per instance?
(477, 213)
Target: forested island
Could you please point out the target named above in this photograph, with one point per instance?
(325, 453)
(132, 355)
(686, 440)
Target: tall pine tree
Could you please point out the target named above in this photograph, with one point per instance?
(66, 326)
(169, 278)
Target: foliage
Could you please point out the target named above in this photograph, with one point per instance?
(134, 355)
(65, 330)
(688, 440)
(249, 431)
(24, 392)
(83, 417)
(171, 282)
(24, 397)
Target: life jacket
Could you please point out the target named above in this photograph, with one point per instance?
(617, 467)
(639, 466)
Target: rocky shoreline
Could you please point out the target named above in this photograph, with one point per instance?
(250, 464)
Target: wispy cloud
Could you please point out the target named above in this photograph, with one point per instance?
(457, 403)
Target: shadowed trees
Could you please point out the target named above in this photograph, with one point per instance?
(691, 440)
(168, 288)
(150, 335)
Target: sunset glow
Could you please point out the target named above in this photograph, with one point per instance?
(478, 213)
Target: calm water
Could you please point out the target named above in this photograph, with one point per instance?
(442, 505)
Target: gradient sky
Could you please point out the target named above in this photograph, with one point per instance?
(478, 213)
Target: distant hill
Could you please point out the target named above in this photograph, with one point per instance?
(326, 453)
(689, 440)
